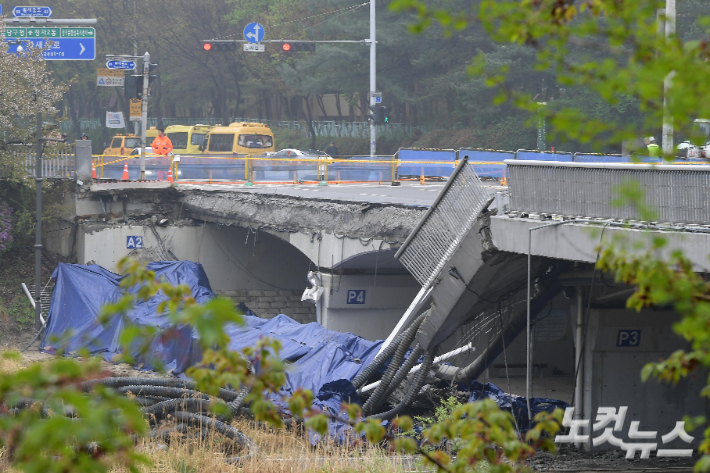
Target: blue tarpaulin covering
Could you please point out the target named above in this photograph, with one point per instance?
(321, 360)
(515, 404)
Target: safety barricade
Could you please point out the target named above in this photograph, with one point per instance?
(429, 163)
(478, 157)
(600, 158)
(361, 169)
(533, 155)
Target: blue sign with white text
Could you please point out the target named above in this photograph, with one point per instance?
(37, 12)
(356, 296)
(129, 65)
(61, 49)
(628, 338)
(134, 242)
(254, 32)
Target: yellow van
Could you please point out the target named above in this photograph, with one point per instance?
(240, 138)
(187, 139)
(122, 145)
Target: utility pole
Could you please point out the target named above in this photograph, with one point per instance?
(144, 111)
(38, 225)
(135, 53)
(373, 74)
(667, 83)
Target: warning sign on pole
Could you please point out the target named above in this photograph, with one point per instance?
(109, 78)
(135, 111)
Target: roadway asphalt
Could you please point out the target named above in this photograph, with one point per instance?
(408, 194)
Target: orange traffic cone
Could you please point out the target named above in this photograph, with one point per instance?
(422, 181)
(93, 170)
(125, 172)
(503, 181)
(170, 175)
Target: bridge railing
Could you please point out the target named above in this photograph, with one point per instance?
(444, 226)
(678, 193)
(55, 164)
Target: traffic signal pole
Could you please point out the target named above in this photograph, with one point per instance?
(144, 111)
(373, 75)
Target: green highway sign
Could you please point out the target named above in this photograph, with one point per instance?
(43, 32)
(78, 33)
(15, 32)
(40, 32)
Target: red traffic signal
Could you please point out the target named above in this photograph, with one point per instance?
(298, 46)
(219, 45)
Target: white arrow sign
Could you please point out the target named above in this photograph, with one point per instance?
(82, 49)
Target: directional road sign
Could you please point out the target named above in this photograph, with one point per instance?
(37, 12)
(64, 49)
(254, 32)
(128, 65)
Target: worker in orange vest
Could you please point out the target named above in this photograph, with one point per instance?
(162, 144)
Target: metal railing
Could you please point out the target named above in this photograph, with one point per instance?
(442, 229)
(55, 164)
(322, 128)
(677, 193)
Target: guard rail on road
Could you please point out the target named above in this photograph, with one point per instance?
(679, 193)
(55, 164)
(435, 239)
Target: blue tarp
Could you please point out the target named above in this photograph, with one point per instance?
(515, 404)
(321, 360)
(447, 158)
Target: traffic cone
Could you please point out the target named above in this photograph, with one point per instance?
(125, 172)
(93, 170)
(170, 175)
(422, 180)
(503, 181)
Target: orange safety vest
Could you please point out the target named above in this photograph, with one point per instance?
(162, 145)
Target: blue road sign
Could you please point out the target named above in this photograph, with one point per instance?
(378, 99)
(62, 49)
(254, 32)
(129, 65)
(37, 12)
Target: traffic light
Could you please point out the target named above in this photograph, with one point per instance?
(379, 115)
(298, 46)
(133, 88)
(219, 45)
(152, 69)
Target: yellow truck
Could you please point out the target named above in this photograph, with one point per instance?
(187, 139)
(122, 145)
(240, 138)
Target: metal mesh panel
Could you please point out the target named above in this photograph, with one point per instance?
(678, 194)
(55, 165)
(445, 225)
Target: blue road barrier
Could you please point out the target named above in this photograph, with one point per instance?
(532, 155)
(447, 158)
(476, 156)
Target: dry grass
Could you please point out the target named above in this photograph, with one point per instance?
(279, 451)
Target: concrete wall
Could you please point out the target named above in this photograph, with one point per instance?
(233, 258)
(385, 300)
(270, 303)
(613, 373)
